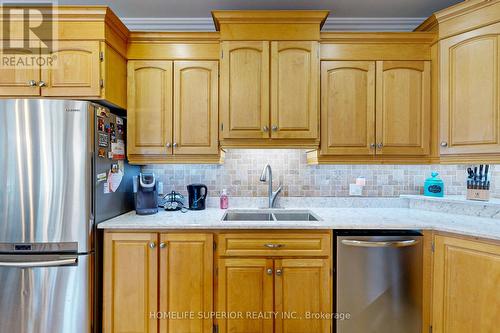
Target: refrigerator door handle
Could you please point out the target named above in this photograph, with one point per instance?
(44, 263)
(360, 243)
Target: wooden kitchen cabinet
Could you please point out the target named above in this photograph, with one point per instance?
(16, 81)
(150, 111)
(130, 282)
(244, 95)
(403, 107)
(196, 102)
(466, 285)
(294, 89)
(186, 281)
(269, 90)
(302, 286)
(150, 272)
(470, 93)
(348, 107)
(172, 111)
(285, 272)
(75, 70)
(364, 116)
(245, 285)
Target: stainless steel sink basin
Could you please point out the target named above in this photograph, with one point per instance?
(252, 215)
(247, 216)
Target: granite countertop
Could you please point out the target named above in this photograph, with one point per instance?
(364, 217)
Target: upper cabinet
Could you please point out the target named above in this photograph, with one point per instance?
(294, 90)
(373, 109)
(466, 56)
(172, 111)
(269, 78)
(244, 90)
(403, 107)
(470, 118)
(86, 59)
(348, 98)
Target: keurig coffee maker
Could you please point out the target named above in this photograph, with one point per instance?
(197, 196)
(146, 197)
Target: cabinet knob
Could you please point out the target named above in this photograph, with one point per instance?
(169, 145)
(42, 84)
(152, 245)
(380, 145)
(163, 245)
(444, 144)
(32, 83)
(279, 272)
(274, 246)
(372, 145)
(274, 128)
(175, 145)
(265, 128)
(269, 271)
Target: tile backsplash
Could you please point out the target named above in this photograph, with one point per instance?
(242, 168)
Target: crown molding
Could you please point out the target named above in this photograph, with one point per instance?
(331, 24)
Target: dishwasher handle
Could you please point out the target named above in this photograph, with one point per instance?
(362, 243)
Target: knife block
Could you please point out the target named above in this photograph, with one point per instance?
(478, 195)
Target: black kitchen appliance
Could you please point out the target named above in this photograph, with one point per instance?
(146, 197)
(197, 196)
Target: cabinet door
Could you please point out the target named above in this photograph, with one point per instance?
(302, 287)
(130, 282)
(466, 286)
(245, 286)
(347, 107)
(75, 70)
(294, 90)
(196, 107)
(16, 80)
(149, 107)
(403, 107)
(186, 270)
(470, 95)
(245, 90)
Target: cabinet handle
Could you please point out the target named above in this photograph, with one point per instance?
(152, 245)
(32, 83)
(274, 128)
(279, 272)
(265, 128)
(163, 245)
(42, 84)
(269, 271)
(380, 145)
(372, 145)
(175, 145)
(444, 144)
(274, 246)
(169, 145)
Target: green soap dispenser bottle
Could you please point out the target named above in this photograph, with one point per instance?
(434, 186)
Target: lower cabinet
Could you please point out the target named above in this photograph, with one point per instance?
(466, 290)
(274, 282)
(158, 282)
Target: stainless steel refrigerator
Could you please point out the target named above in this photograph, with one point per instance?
(62, 170)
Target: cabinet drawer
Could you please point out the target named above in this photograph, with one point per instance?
(279, 244)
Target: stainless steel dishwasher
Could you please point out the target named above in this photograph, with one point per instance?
(379, 281)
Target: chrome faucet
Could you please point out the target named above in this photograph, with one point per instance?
(263, 177)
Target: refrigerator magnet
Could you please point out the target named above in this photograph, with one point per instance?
(101, 177)
(119, 121)
(101, 152)
(100, 124)
(103, 140)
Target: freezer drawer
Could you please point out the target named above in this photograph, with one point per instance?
(379, 282)
(46, 293)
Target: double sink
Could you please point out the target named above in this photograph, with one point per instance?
(253, 215)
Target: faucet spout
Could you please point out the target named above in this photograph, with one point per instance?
(267, 175)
